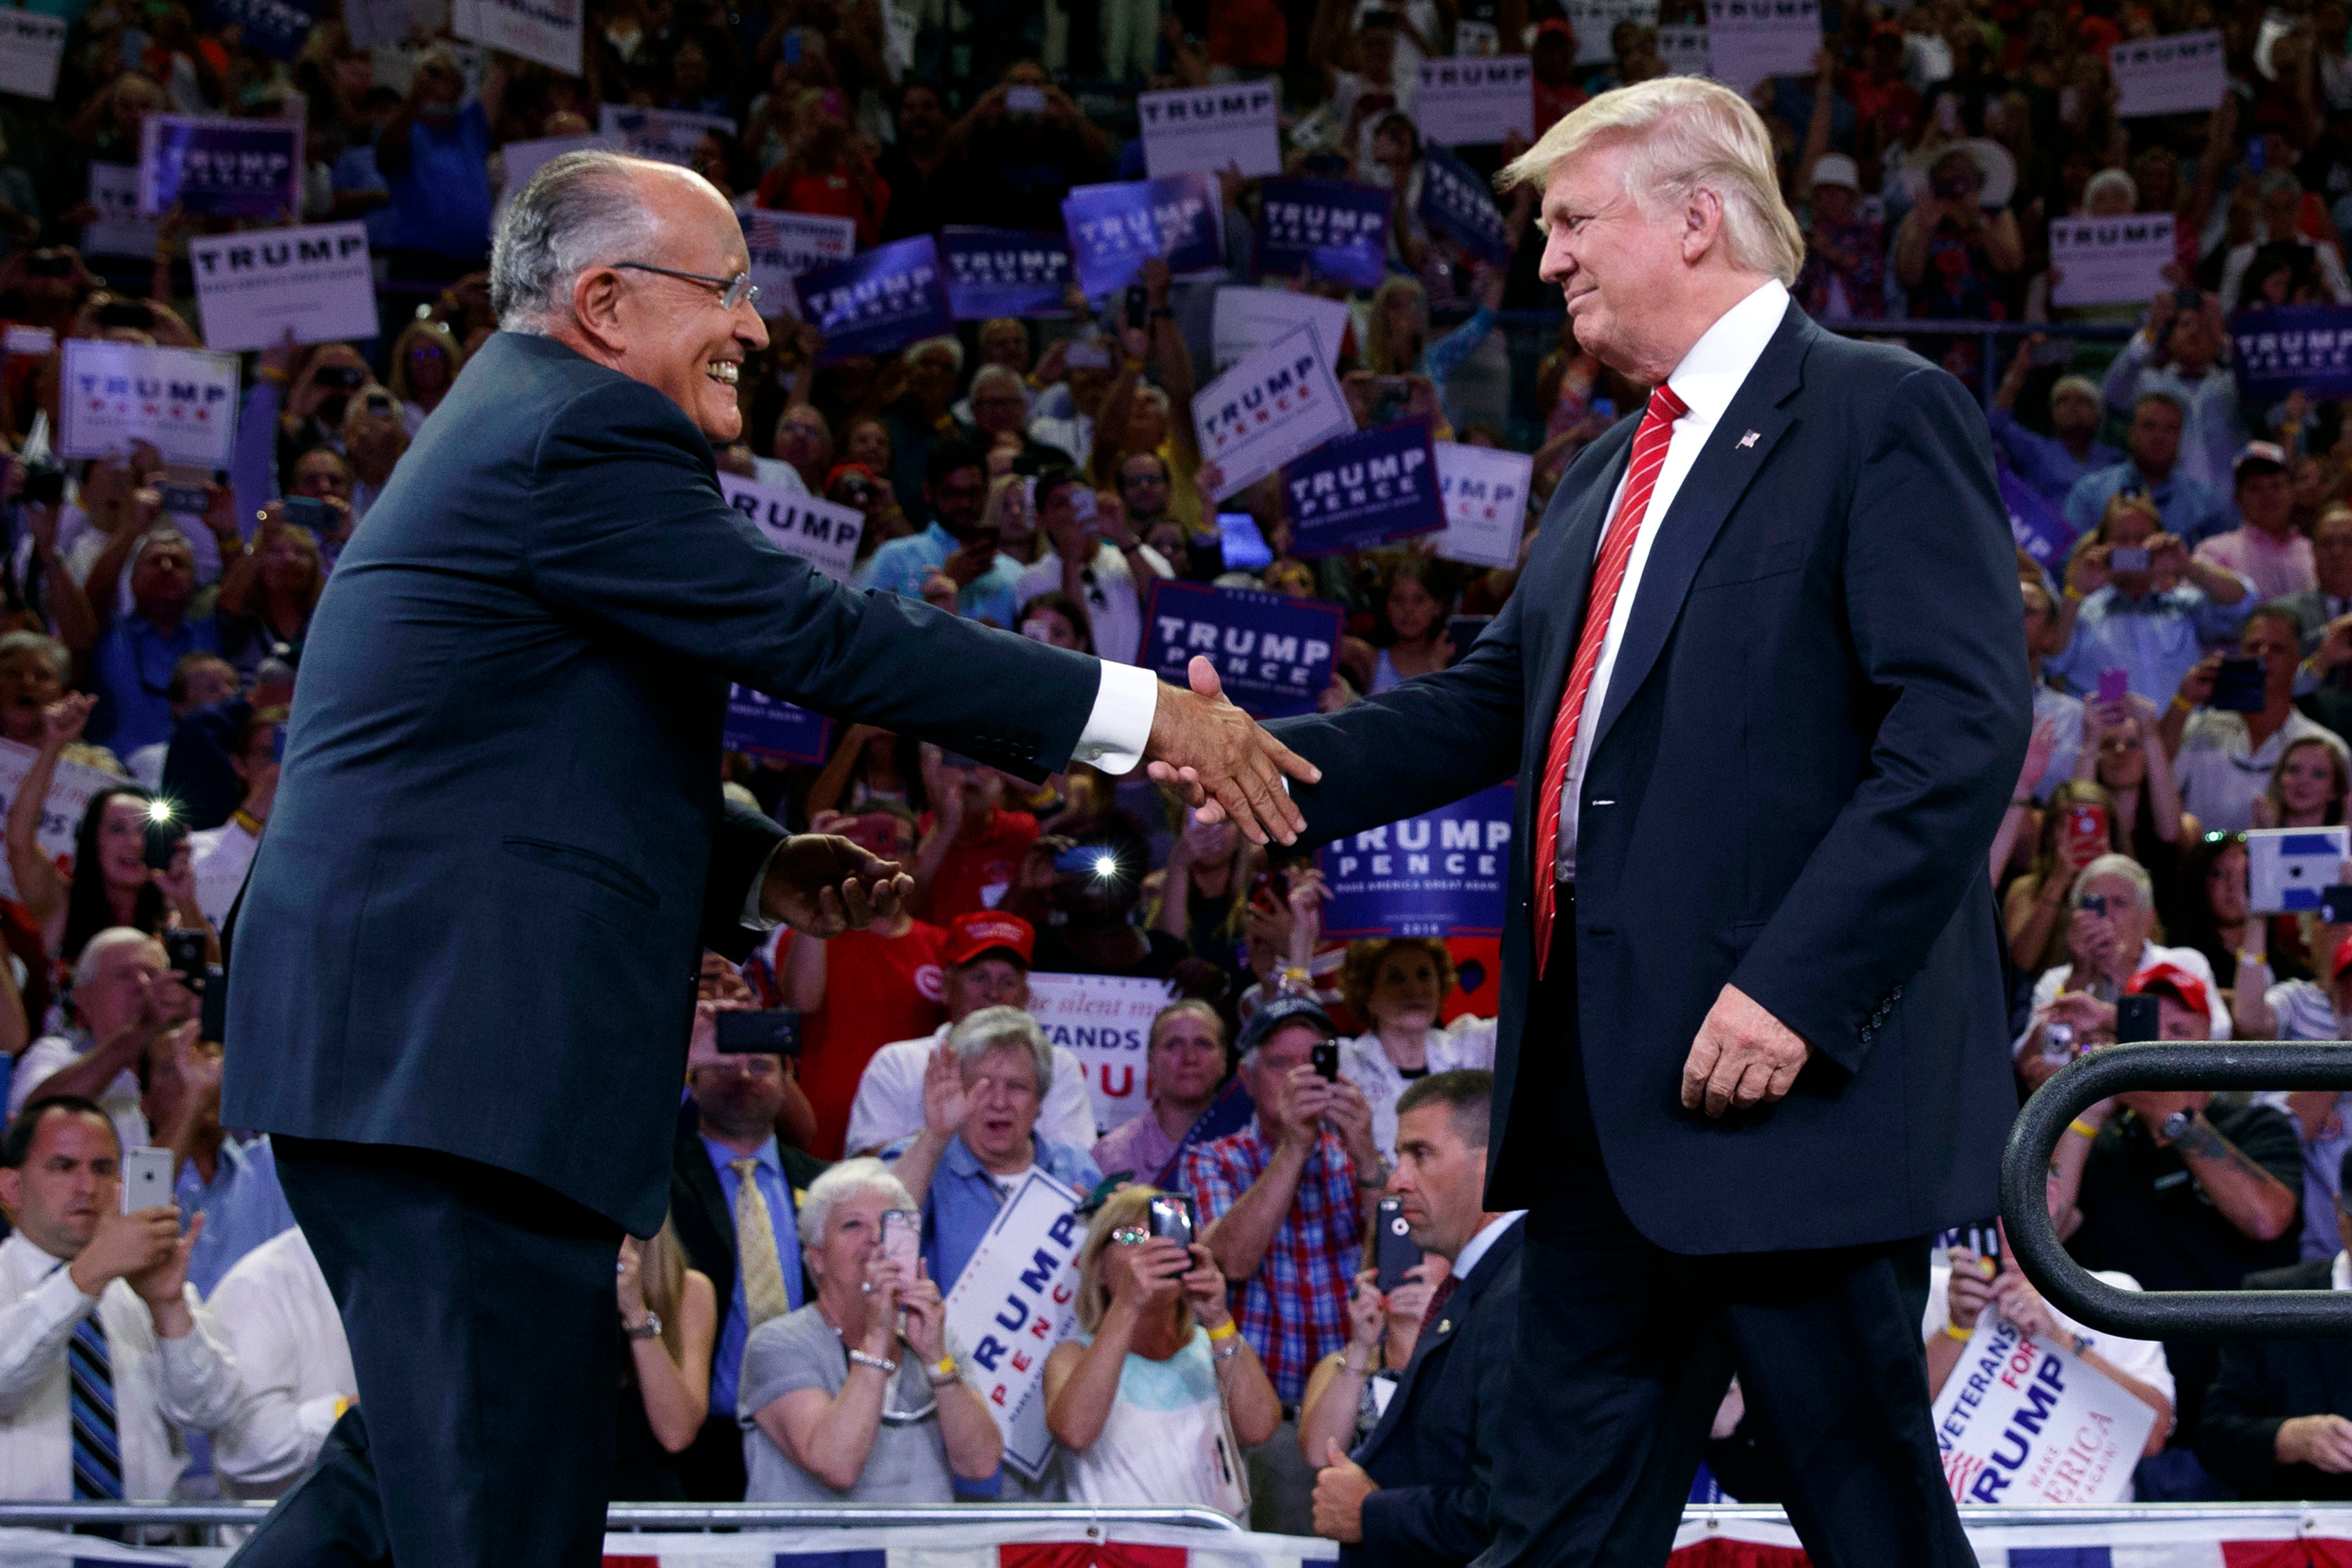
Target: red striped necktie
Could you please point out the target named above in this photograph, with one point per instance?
(1650, 443)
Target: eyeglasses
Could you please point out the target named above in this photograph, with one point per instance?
(732, 291)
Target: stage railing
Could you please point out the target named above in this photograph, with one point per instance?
(2165, 1064)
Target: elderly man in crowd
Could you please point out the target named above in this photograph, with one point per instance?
(1287, 1203)
(108, 1360)
(2223, 760)
(2112, 912)
(2152, 622)
(2190, 508)
(123, 1002)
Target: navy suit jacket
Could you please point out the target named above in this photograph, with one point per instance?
(497, 846)
(2263, 1384)
(1815, 722)
(1433, 1453)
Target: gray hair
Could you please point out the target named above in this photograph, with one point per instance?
(2122, 867)
(847, 1179)
(989, 1027)
(161, 534)
(948, 345)
(49, 648)
(94, 950)
(2107, 180)
(2082, 384)
(578, 211)
(995, 372)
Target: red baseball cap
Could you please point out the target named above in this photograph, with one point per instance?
(2343, 959)
(985, 931)
(2185, 987)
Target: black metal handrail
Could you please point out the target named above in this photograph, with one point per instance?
(2161, 1314)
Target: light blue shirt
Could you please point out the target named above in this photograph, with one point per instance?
(2211, 429)
(243, 1207)
(2188, 507)
(964, 1199)
(2045, 462)
(727, 1363)
(902, 565)
(2154, 640)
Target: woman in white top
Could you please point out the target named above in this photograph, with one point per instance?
(1156, 1393)
(1400, 984)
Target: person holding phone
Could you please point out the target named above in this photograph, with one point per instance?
(374, 437)
(670, 1318)
(1399, 985)
(2134, 599)
(2226, 744)
(2122, 751)
(271, 589)
(1156, 1393)
(2077, 828)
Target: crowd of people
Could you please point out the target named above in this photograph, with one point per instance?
(1239, 1339)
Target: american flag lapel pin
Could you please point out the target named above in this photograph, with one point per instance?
(1750, 439)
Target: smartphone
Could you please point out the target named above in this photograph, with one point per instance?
(2115, 685)
(2239, 686)
(1171, 1215)
(1245, 549)
(1139, 307)
(2336, 905)
(188, 500)
(306, 511)
(2135, 1019)
(759, 1032)
(1325, 1055)
(344, 377)
(186, 951)
(1982, 1238)
(1393, 1249)
(902, 1235)
(212, 1024)
(2128, 558)
(136, 313)
(2094, 904)
(1270, 890)
(1024, 99)
(147, 1179)
(164, 837)
(2087, 825)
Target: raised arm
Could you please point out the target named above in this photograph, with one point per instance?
(39, 884)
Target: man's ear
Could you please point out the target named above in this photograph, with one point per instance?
(1701, 223)
(12, 1190)
(597, 295)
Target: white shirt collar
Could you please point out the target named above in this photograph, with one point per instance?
(1711, 373)
(2339, 1278)
(1488, 1233)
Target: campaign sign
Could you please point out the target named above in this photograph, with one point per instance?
(1438, 874)
(1208, 129)
(1243, 320)
(32, 45)
(118, 229)
(221, 168)
(1464, 103)
(670, 135)
(1749, 40)
(1271, 407)
(1685, 52)
(1104, 1020)
(1366, 488)
(374, 24)
(547, 31)
(2180, 74)
(783, 245)
(771, 727)
(2109, 260)
(1485, 493)
(2295, 346)
(2029, 1424)
(818, 531)
(1594, 19)
(2040, 532)
(1114, 228)
(1017, 1299)
(1325, 229)
(878, 302)
(275, 28)
(1273, 653)
(1005, 272)
(183, 401)
(71, 785)
(1456, 202)
(526, 158)
(252, 287)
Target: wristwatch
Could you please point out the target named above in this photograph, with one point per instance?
(648, 1330)
(2175, 1126)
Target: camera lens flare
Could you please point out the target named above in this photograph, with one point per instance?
(1105, 866)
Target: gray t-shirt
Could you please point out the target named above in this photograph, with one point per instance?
(909, 1462)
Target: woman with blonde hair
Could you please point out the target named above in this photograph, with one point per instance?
(2031, 913)
(669, 1320)
(2307, 788)
(425, 361)
(1156, 1393)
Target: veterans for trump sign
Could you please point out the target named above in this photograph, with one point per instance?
(1360, 490)
(1211, 128)
(2025, 1422)
(1269, 408)
(1438, 874)
(1274, 653)
(254, 288)
(182, 401)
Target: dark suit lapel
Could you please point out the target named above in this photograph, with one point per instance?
(1734, 455)
(1440, 1336)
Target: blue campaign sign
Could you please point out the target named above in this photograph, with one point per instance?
(2039, 531)
(1114, 229)
(1441, 873)
(1364, 489)
(773, 729)
(1274, 653)
(276, 27)
(1457, 203)
(221, 168)
(1331, 228)
(2295, 346)
(1004, 272)
(878, 302)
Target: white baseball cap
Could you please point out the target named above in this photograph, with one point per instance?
(1836, 169)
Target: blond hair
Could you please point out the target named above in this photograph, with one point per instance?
(1688, 134)
(1131, 1205)
(661, 1277)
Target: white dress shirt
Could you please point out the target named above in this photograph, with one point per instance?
(889, 1103)
(1114, 602)
(161, 1388)
(1707, 380)
(51, 1055)
(1478, 1245)
(294, 1367)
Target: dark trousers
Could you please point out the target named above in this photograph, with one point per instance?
(480, 1309)
(1625, 1351)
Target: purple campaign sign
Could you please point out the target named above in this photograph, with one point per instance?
(1004, 272)
(1441, 873)
(1274, 653)
(2305, 347)
(1114, 229)
(771, 727)
(2039, 531)
(276, 27)
(878, 301)
(222, 168)
(1456, 202)
(1332, 228)
(1368, 487)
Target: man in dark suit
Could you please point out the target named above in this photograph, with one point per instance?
(1414, 1494)
(1758, 687)
(2278, 1415)
(463, 967)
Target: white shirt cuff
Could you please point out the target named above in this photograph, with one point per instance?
(1120, 727)
(755, 917)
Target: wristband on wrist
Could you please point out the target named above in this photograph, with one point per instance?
(2084, 1128)
(272, 374)
(1222, 1333)
(1959, 1332)
(2073, 594)
(879, 1364)
(2258, 959)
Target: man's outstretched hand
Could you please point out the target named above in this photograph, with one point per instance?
(821, 885)
(1223, 762)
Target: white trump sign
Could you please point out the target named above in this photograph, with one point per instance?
(252, 287)
(1749, 40)
(32, 45)
(1273, 406)
(1463, 103)
(1105, 1020)
(2024, 1423)
(2109, 260)
(2179, 74)
(1210, 127)
(1015, 1302)
(182, 401)
(1485, 493)
(818, 531)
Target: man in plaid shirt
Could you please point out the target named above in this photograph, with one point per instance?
(1287, 1203)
